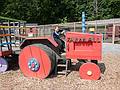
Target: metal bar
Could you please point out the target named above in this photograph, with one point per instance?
(3, 35)
(10, 36)
(6, 39)
(66, 71)
(1, 39)
(83, 22)
(19, 28)
(14, 27)
(15, 32)
(0, 42)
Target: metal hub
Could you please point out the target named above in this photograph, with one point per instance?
(33, 64)
(89, 73)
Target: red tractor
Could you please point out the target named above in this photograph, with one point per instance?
(40, 56)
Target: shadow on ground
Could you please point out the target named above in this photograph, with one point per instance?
(77, 66)
(13, 63)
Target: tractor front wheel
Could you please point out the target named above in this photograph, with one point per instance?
(89, 71)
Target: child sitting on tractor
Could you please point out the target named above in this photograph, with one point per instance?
(56, 35)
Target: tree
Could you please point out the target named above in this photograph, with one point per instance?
(58, 11)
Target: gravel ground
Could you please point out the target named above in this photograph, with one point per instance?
(110, 76)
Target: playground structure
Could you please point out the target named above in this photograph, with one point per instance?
(6, 40)
(40, 57)
(8, 43)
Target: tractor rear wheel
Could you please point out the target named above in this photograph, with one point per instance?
(37, 61)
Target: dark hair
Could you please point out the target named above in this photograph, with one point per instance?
(56, 26)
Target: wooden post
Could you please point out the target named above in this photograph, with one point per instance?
(39, 33)
(44, 30)
(74, 26)
(24, 25)
(87, 28)
(96, 29)
(19, 28)
(14, 28)
(19, 32)
(113, 34)
(9, 30)
(105, 32)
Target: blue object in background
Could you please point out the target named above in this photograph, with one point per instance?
(83, 22)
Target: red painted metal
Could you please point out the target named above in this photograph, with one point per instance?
(42, 58)
(39, 38)
(83, 46)
(89, 71)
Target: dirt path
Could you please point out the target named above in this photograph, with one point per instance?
(110, 79)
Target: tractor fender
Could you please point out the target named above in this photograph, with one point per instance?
(48, 41)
